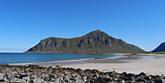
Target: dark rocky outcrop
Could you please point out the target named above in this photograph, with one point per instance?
(38, 74)
(160, 48)
(95, 42)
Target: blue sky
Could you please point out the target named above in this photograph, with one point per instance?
(23, 23)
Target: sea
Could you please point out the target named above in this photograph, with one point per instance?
(55, 58)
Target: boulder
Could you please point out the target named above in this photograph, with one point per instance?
(26, 78)
(141, 80)
(159, 80)
(1, 76)
(111, 82)
(121, 81)
(147, 78)
(9, 74)
(142, 74)
(151, 81)
(129, 75)
(23, 75)
(2, 81)
(23, 81)
(95, 75)
(106, 77)
(128, 79)
(17, 76)
(37, 80)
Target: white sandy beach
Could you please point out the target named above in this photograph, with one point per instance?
(148, 66)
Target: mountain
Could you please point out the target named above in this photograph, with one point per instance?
(95, 42)
(160, 48)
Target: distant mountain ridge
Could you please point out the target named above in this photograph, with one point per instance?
(94, 42)
(160, 48)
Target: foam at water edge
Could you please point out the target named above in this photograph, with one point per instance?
(70, 60)
(21, 63)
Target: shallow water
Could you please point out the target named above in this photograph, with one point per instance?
(27, 58)
(51, 59)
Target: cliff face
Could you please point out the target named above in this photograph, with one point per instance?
(92, 43)
(160, 48)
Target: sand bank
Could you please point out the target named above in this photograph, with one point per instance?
(149, 66)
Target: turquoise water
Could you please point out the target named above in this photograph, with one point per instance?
(27, 58)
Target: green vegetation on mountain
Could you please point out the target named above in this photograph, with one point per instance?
(95, 42)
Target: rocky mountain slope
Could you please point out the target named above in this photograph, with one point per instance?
(160, 48)
(94, 42)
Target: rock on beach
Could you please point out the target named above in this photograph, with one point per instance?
(38, 74)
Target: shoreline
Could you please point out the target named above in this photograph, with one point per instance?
(133, 64)
(131, 69)
(73, 61)
(119, 58)
(119, 64)
(149, 64)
